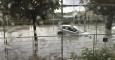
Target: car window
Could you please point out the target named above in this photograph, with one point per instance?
(63, 27)
(74, 30)
(71, 29)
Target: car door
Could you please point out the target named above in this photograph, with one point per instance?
(65, 29)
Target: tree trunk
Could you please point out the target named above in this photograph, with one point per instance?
(35, 42)
(108, 26)
(35, 36)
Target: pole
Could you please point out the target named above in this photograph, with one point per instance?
(94, 45)
(96, 29)
(62, 30)
(85, 18)
(5, 40)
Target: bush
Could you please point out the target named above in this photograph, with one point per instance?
(102, 54)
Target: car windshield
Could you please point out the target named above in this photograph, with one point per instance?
(78, 29)
(72, 29)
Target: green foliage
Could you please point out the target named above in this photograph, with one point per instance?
(102, 54)
(104, 7)
(30, 8)
(73, 56)
(104, 2)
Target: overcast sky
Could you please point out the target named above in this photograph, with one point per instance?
(71, 2)
(70, 9)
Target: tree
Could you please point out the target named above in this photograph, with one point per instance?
(30, 9)
(105, 8)
(27, 8)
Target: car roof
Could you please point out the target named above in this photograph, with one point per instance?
(71, 26)
(67, 25)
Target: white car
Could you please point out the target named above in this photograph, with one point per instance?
(74, 30)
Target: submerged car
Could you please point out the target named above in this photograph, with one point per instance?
(70, 29)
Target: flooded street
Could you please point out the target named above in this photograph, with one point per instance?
(49, 43)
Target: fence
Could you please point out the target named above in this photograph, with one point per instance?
(52, 46)
(17, 43)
